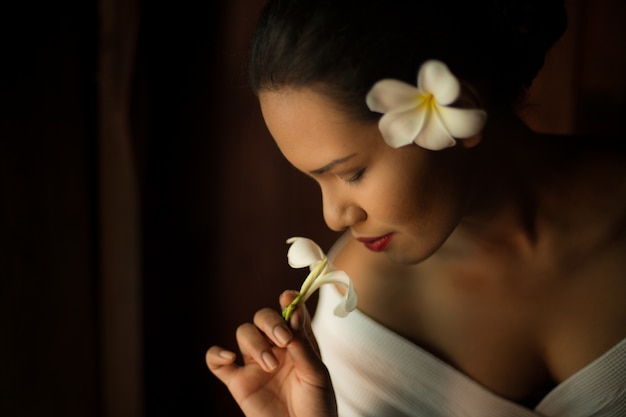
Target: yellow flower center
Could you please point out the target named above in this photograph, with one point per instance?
(426, 101)
(430, 102)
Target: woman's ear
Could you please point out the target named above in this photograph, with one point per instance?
(471, 141)
(469, 99)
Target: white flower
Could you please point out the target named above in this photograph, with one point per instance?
(305, 252)
(423, 115)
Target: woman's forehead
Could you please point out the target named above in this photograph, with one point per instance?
(310, 130)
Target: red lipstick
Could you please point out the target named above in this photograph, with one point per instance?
(376, 244)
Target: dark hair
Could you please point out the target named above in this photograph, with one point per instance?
(342, 47)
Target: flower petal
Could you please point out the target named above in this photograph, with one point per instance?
(349, 300)
(462, 123)
(435, 78)
(394, 95)
(435, 136)
(303, 252)
(401, 128)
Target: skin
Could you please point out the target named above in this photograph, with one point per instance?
(510, 271)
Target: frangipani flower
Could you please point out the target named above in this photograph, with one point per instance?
(423, 115)
(305, 252)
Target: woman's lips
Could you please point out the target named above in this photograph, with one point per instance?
(376, 244)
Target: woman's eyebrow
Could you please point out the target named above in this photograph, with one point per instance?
(331, 165)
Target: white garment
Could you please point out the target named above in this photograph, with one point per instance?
(375, 372)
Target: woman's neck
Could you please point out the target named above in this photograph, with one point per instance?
(509, 167)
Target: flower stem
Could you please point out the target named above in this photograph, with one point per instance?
(306, 285)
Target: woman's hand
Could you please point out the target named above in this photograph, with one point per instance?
(282, 374)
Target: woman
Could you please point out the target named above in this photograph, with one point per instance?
(488, 258)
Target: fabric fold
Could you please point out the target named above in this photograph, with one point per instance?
(378, 373)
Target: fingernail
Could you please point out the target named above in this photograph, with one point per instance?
(226, 354)
(270, 361)
(282, 335)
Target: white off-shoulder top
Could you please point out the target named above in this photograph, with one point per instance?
(375, 372)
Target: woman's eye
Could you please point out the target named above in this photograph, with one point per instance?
(356, 177)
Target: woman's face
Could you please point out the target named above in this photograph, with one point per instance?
(404, 202)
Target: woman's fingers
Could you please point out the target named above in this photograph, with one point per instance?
(307, 330)
(300, 322)
(256, 347)
(274, 326)
(221, 362)
(303, 349)
(287, 297)
(258, 342)
(304, 352)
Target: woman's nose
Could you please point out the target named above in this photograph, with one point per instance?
(342, 215)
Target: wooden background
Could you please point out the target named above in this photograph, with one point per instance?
(144, 208)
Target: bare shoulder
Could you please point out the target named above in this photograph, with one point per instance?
(586, 204)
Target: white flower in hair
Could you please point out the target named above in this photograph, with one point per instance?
(423, 115)
(305, 252)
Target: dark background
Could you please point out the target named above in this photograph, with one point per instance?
(144, 208)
